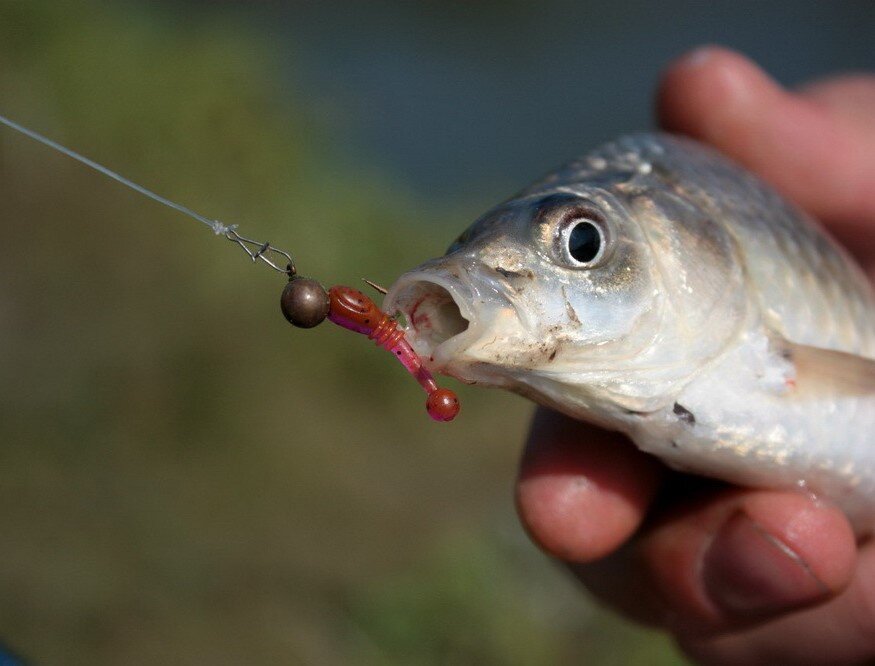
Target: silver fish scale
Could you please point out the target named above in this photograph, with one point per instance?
(782, 246)
(811, 292)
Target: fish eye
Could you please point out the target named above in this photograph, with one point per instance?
(581, 242)
(584, 242)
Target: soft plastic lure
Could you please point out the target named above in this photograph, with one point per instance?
(353, 310)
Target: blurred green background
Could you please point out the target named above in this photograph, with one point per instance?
(184, 478)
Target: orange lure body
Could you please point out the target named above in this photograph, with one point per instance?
(352, 310)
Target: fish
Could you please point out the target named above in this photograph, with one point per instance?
(656, 288)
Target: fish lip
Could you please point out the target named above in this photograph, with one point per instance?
(406, 296)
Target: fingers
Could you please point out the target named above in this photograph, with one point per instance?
(851, 96)
(582, 491)
(730, 558)
(816, 147)
(839, 632)
(715, 559)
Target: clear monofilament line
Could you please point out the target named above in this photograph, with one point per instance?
(218, 228)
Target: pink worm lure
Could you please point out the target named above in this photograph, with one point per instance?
(353, 310)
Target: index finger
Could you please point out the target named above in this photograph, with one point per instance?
(582, 491)
(808, 145)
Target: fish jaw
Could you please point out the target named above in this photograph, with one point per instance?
(452, 319)
(463, 324)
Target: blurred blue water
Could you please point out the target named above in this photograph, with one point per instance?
(470, 100)
(9, 659)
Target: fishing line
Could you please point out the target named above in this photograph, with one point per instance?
(255, 249)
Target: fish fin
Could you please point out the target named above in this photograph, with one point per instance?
(848, 373)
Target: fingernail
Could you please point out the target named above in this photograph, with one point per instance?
(747, 570)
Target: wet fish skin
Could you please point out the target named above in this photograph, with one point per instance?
(721, 328)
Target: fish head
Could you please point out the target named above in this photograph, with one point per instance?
(560, 295)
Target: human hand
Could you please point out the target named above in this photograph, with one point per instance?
(737, 575)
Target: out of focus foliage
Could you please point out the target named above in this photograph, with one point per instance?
(183, 477)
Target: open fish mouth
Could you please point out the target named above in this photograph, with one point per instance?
(438, 307)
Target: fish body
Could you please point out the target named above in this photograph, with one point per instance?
(656, 288)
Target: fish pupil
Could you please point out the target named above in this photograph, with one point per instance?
(584, 242)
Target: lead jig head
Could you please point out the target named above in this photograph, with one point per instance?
(304, 302)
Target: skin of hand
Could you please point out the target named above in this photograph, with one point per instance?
(738, 576)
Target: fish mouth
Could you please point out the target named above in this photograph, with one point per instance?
(438, 307)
